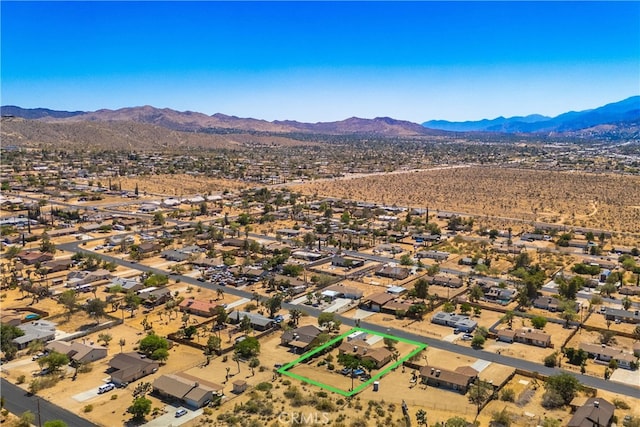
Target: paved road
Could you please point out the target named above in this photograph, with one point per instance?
(598, 383)
(17, 402)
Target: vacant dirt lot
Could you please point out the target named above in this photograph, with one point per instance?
(591, 200)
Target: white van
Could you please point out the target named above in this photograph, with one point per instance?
(105, 388)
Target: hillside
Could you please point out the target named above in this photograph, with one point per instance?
(123, 135)
(194, 122)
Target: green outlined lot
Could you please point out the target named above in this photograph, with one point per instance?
(285, 370)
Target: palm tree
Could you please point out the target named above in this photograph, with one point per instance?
(508, 317)
(219, 294)
(122, 343)
(236, 358)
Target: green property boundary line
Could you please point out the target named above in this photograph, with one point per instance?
(285, 369)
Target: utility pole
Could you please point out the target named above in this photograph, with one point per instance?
(39, 415)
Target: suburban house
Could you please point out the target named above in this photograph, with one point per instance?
(622, 315)
(147, 248)
(362, 350)
(128, 367)
(605, 354)
(300, 338)
(397, 305)
(193, 392)
(56, 265)
(448, 281)
(629, 290)
(173, 255)
(153, 297)
(79, 278)
(34, 257)
(41, 330)
(551, 304)
(198, 307)
(348, 262)
(395, 273)
(463, 323)
(375, 302)
(437, 255)
(596, 412)
(306, 255)
(78, 352)
(341, 291)
(127, 285)
(528, 336)
(501, 295)
(258, 322)
(444, 378)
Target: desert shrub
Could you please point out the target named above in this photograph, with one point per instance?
(551, 399)
(264, 386)
(340, 402)
(87, 408)
(326, 405)
(286, 382)
(508, 395)
(550, 361)
(322, 394)
(20, 379)
(621, 404)
(114, 396)
(207, 411)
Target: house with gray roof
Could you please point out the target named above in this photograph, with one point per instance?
(625, 316)
(41, 330)
(258, 322)
(463, 323)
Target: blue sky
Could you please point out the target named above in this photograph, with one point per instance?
(322, 61)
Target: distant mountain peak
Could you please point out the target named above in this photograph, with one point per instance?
(615, 112)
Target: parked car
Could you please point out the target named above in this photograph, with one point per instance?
(106, 387)
(37, 356)
(278, 319)
(180, 412)
(467, 337)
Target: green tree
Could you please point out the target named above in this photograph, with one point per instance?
(214, 344)
(248, 347)
(69, 300)
(626, 303)
(422, 288)
(53, 361)
(96, 308)
(140, 407)
(160, 354)
(7, 335)
(273, 304)
(478, 341)
(566, 385)
(26, 419)
(325, 318)
(476, 293)
(538, 322)
(568, 315)
(151, 343)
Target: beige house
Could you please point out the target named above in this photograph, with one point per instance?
(78, 352)
(528, 336)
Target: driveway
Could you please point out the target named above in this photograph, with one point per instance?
(626, 376)
(169, 419)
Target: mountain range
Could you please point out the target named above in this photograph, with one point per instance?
(627, 110)
(620, 119)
